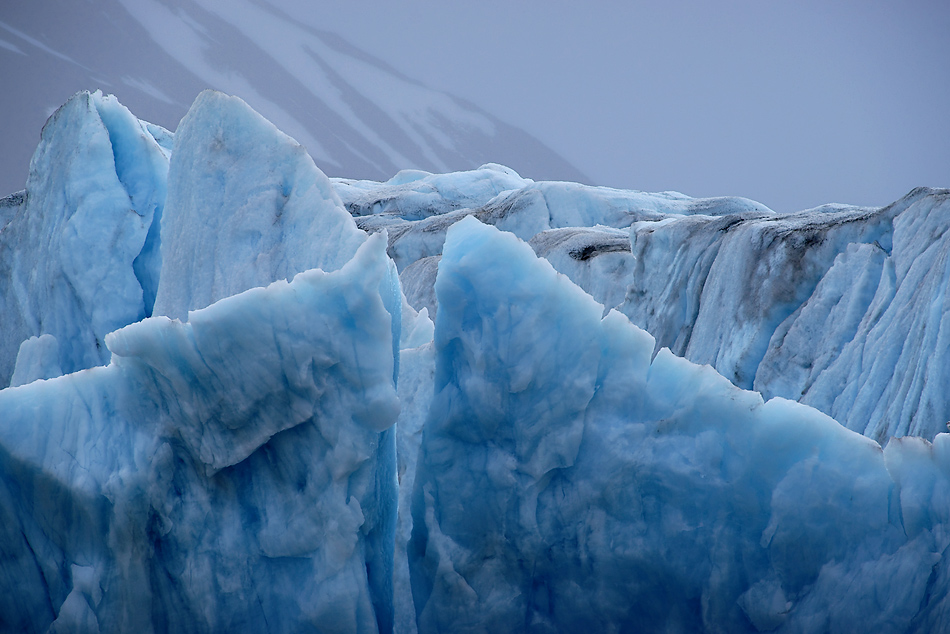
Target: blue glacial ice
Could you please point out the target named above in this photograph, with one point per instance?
(232, 473)
(229, 410)
(246, 207)
(570, 481)
(75, 261)
(844, 309)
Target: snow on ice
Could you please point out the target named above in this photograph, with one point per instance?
(229, 409)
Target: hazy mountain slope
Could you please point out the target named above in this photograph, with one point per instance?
(357, 116)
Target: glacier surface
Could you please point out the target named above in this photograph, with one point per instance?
(229, 409)
(246, 206)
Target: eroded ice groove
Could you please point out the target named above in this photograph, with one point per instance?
(224, 474)
(728, 282)
(416, 375)
(246, 206)
(843, 309)
(891, 376)
(73, 259)
(566, 482)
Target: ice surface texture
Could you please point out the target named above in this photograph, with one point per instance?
(839, 307)
(567, 483)
(231, 473)
(842, 308)
(246, 206)
(74, 260)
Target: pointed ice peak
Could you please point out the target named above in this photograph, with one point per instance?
(97, 182)
(246, 206)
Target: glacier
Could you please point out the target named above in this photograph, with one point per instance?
(244, 396)
(246, 206)
(569, 480)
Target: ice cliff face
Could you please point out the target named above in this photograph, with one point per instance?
(842, 308)
(231, 473)
(79, 252)
(246, 425)
(247, 206)
(612, 492)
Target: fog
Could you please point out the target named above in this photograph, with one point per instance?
(791, 104)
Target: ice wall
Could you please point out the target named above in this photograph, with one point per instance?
(734, 279)
(815, 306)
(844, 309)
(229, 473)
(72, 263)
(238, 464)
(568, 483)
(882, 322)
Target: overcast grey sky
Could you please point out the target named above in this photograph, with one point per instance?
(793, 104)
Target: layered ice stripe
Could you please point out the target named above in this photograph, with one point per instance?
(567, 482)
(599, 260)
(77, 257)
(232, 473)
